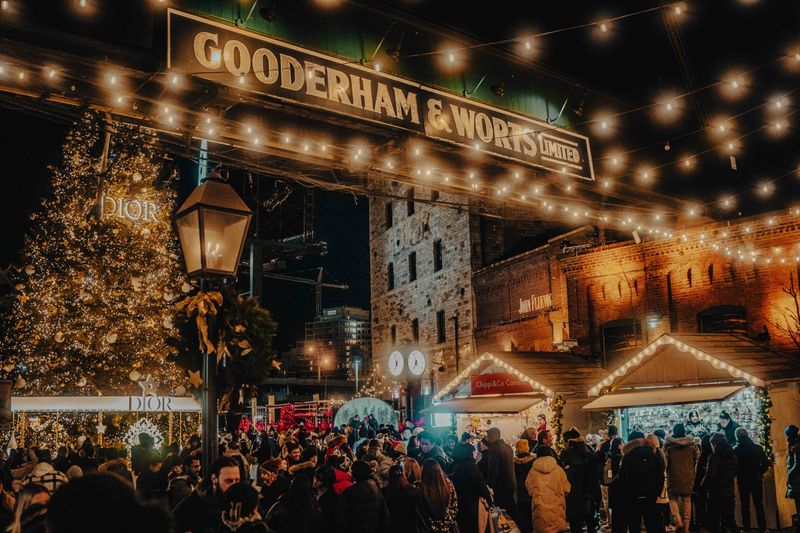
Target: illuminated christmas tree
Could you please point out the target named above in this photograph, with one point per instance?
(101, 272)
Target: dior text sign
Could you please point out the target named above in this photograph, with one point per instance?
(244, 59)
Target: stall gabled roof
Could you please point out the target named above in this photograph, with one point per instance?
(552, 373)
(717, 356)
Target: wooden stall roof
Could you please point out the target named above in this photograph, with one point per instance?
(697, 358)
(745, 354)
(562, 372)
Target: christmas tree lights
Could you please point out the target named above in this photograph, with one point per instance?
(96, 296)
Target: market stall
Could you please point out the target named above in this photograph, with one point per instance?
(510, 390)
(114, 421)
(692, 378)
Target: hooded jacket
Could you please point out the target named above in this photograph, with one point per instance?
(548, 486)
(522, 466)
(44, 474)
(641, 472)
(681, 454)
(343, 481)
(721, 471)
(362, 509)
(200, 511)
(580, 465)
(753, 462)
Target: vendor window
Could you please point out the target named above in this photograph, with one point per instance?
(441, 334)
(437, 255)
(389, 215)
(722, 319)
(390, 277)
(621, 335)
(412, 266)
(415, 329)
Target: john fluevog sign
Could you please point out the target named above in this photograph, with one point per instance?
(229, 55)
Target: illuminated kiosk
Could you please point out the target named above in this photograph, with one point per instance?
(54, 421)
(509, 389)
(709, 372)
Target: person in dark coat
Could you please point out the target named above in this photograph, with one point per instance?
(753, 464)
(327, 498)
(728, 426)
(500, 473)
(523, 461)
(544, 444)
(297, 511)
(362, 508)
(719, 481)
(401, 501)
(483, 462)
(681, 453)
(429, 446)
(641, 480)
(240, 511)
(610, 455)
(793, 469)
(580, 465)
(700, 499)
(470, 487)
(200, 512)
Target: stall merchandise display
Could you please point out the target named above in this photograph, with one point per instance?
(743, 407)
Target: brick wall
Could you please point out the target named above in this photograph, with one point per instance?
(449, 289)
(664, 284)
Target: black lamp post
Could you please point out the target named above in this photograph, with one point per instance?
(212, 228)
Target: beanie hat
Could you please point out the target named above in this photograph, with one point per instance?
(791, 432)
(400, 448)
(678, 431)
(660, 433)
(571, 434)
(522, 446)
(633, 435)
(613, 431)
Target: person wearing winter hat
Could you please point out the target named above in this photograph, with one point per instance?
(240, 510)
(523, 461)
(719, 482)
(470, 487)
(548, 486)
(681, 453)
(362, 507)
(581, 466)
(641, 480)
(793, 469)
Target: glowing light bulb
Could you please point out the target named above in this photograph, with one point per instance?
(451, 57)
(83, 3)
(175, 79)
(4, 5)
(51, 73)
(256, 141)
(21, 75)
(528, 45)
(112, 80)
(678, 10)
(604, 27)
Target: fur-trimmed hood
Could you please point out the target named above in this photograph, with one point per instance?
(680, 441)
(525, 459)
(632, 445)
(302, 466)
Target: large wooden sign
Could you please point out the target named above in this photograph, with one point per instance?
(244, 59)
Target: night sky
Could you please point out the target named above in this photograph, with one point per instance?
(627, 69)
(28, 144)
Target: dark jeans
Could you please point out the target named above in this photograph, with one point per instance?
(699, 509)
(619, 519)
(720, 513)
(752, 489)
(644, 510)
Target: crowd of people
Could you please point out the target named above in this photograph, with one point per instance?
(365, 478)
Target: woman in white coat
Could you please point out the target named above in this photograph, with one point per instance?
(548, 486)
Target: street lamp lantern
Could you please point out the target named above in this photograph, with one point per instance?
(212, 228)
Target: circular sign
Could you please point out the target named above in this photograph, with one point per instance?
(363, 407)
(396, 363)
(416, 362)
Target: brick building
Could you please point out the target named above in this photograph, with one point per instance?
(608, 299)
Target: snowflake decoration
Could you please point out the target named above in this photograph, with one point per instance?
(143, 425)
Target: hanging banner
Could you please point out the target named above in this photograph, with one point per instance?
(232, 56)
(498, 383)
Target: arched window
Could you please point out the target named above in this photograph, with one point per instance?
(722, 319)
(622, 334)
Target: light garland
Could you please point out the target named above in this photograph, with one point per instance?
(667, 339)
(97, 292)
(499, 362)
(143, 425)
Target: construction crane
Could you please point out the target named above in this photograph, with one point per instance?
(317, 282)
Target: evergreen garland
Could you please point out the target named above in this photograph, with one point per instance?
(557, 422)
(765, 421)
